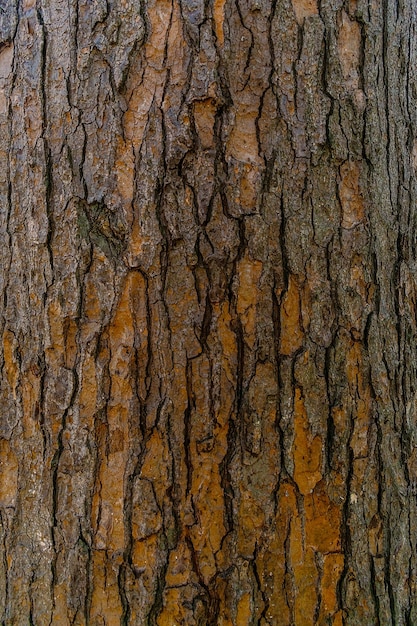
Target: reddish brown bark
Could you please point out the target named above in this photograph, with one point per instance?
(208, 391)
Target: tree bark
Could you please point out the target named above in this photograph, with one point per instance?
(208, 268)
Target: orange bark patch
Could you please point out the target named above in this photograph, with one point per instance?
(145, 556)
(305, 578)
(289, 568)
(108, 513)
(179, 566)
(351, 199)
(208, 446)
(338, 619)
(204, 118)
(106, 607)
(252, 519)
(145, 86)
(304, 8)
(307, 449)
(291, 329)
(227, 339)
(218, 16)
(249, 186)
(208, 532)
(59, 615)
(155, 463)
(323, 519)
(8, 474)
(349, 45)
(332, 570)
(243, 141)
(244, 610)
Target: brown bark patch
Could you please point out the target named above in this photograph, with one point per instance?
(291, 330)
(304, 8)
(6, 61)
(349, 45)
(218, 16)
(249, 273)
(243, 141)
(12, 371)
(307, 449)
(351, 198)
(204, 118)
(8, 474)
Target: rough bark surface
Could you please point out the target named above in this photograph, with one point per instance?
(208, 323)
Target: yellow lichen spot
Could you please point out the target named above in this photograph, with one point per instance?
(8, 474)
(304, 8)
(353, 207)
(307, 449)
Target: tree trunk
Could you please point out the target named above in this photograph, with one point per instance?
(208, 268)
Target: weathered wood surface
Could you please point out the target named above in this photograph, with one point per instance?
(208, 277)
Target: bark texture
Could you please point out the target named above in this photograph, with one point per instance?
(208, 316)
